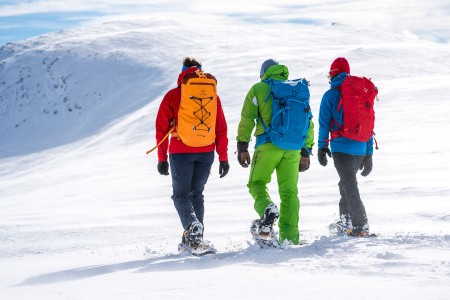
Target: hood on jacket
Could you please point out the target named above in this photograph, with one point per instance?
(277, 72)
(185, 72)
(338, 79)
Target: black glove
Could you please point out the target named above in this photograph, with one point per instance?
(163, 168)
(304, 160)
(243, 156)
(367, 165)
(322, 155)
(224, 167)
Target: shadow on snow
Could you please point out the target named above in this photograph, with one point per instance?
(323, 247)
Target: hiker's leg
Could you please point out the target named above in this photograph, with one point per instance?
(347, 166)
(182, 169)
(287, 177)
(202, 170)
(265, 160)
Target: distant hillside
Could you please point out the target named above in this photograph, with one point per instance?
(67, 85)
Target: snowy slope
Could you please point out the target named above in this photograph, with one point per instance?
(85, 215)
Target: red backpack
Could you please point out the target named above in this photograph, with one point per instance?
(357, 100)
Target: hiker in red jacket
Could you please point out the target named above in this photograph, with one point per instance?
(189, 166)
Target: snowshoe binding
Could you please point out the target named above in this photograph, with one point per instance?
(262, 229)
(360, 232)
(192, 241)
(341, 226)
(344, 227)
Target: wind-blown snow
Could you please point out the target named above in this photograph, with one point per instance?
(85, 215)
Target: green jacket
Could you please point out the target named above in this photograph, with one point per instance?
(254, 101)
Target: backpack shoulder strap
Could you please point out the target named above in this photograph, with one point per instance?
(336, 133)
(270, 83)
(340, 100)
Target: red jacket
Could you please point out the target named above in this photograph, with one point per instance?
(168, 113)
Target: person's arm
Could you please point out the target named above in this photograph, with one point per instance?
(309, 142)
(163, 124)
(221, 133)
(324, 121)
(249, 114)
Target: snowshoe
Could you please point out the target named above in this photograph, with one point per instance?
(193, 236)
(262, 229)
(204, 248)
(192, 241)
(360, 232)
(264, 235)
(337, 228)
(341, 226)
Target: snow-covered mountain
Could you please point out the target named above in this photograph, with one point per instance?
(69, 85)
(85, 215)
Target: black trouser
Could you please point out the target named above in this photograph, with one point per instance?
(347, 166)
(190, 172)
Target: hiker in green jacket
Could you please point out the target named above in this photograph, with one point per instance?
(268, 158)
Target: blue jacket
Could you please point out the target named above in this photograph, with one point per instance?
(328, 112)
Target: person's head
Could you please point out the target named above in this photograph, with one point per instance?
(266, 65)
(190, 62)
(338, 66)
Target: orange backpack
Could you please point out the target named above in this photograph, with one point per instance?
(198, 109)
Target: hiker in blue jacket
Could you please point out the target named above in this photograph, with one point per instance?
(348, 155)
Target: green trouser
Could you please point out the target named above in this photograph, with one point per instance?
(266, 159)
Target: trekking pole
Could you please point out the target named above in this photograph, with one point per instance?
(165, 137)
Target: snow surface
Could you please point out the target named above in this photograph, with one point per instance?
(85, 215)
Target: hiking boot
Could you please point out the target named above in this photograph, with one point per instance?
(270, 216)
(264, 227)
(193, 236)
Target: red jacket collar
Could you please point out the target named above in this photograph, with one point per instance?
(187, 71)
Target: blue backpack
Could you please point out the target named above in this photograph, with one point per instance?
(291, 113)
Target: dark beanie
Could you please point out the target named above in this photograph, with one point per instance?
(190, 62)
(267, 64)
(338, 66)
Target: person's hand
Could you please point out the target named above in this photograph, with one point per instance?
(163, 168)
(366, 165)
(224, 167)
(243, 156)
(304, 164)
(322, 155)
(304, 160)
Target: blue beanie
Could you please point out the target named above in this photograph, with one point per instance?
(267, 64)
(184, 67)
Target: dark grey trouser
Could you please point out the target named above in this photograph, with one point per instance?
(190, 172)
(347, 166)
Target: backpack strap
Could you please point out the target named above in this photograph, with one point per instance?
(335, 133)
(164, 138)
(338, 132)
(270, 93)
(270, 83)
(375, 140)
